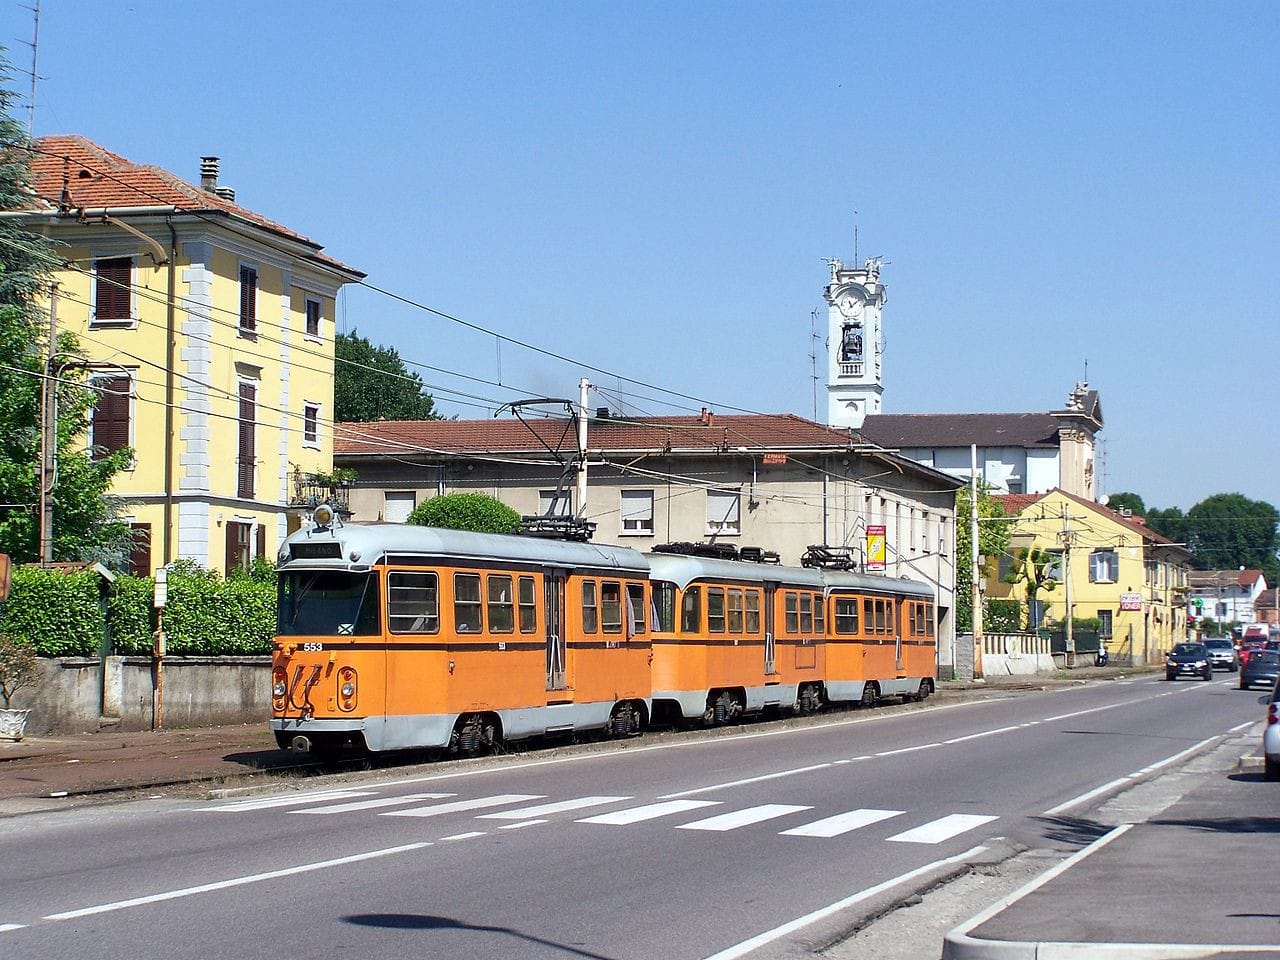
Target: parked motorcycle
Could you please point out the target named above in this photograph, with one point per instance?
(1103, 656)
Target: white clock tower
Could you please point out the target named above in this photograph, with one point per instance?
(855, 297)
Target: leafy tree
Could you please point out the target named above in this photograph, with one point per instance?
(1229, 530)
(1127, 501)
(86, 524)
(1170, 523)
(372, 383)
(1033, 568)
(477, 512)
(993, 540)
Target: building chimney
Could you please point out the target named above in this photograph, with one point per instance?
(602, 413)
(226, 193)
(209, 174)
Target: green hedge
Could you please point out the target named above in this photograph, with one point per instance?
(205, 615)
(58, 613)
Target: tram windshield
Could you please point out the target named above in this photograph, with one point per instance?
(324, 603)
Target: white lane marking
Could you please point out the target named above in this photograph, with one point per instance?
(463, 836)
(374, 804)
(1085, 796)
(985, 733)
(290, 801)
(1243, 726)
(746, 946)
(742, 818)
(841, 823)
(6, 927)
(235, 882)
(919, 746)
(549, 808)
(743, 783)
(517, 826)
(941, 829)
(649, 812)
(457, 806)
(1150, 768)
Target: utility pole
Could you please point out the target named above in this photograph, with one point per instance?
(583, 386)
(976, 599)
(48, 432)
(1066, 584)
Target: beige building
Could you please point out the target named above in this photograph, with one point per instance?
(778, 482)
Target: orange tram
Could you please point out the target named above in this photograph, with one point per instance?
(393, 636)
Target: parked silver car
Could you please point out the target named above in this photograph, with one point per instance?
(1271, 735)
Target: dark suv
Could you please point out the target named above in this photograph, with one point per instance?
(1222, 653)
(1188, 660)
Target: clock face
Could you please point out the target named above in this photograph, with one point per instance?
(850, 306)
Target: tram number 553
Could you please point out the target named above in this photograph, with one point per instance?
(313, 647)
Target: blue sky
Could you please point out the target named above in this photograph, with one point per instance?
(650, 188)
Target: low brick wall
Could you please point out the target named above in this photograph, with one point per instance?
(76, 695)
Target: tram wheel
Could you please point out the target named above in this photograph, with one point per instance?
(870, 695)
(923, 692)
(473, 735)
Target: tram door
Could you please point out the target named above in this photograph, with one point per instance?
(554, 604)
(770, 636)
(897, 608)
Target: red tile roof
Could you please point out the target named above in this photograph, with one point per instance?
(1017, 502)
(777, 432)
(1212, 578)
(71, 172)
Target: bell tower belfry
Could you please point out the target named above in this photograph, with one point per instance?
(855, 345)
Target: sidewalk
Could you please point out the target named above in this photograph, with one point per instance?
(110, 763)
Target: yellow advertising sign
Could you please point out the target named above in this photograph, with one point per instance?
(875, 548)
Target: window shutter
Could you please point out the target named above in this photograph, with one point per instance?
(260, 546)
(233, 548)
(111, 415)
(112, 293)
(248, 298)
(140, 551)
(245, 463)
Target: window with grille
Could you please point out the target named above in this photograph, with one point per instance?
(248, 298)
(113, 290)
(413, 603)
(466, 603)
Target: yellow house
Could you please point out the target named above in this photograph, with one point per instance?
(1108, 566)
(209, 333)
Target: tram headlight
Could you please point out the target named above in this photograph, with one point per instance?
(278, 683)
(322, 516)
(347, 689)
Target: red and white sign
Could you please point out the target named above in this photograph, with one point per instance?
(875, 548)
(774, 459)
(1130, 601)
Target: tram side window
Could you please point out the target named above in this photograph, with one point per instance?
(846, 616)
(884, 623)
(664, 606)
(928, 619)
(502, 609)
(792, 613)
(590, 608)
(735, 611)
(611, 606)
(528, 606)
(819, 614)
(806, 613)
(691, 610)
(869, 615)
(753, 612)
(466, 603)
(715, 609)
(635, 607)
(413, 603)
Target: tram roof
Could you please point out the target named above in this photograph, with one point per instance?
(373, 541)
(849, 580)
(683, 570)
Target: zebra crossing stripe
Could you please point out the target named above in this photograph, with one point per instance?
(550, 808)
(742, 818)
(942, 829)
(459, 805)
(245, 806)
(841, 823)
(649, 812)
(374, 804)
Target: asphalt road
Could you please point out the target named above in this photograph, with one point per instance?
(757, 842)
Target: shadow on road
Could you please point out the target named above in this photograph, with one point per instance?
(425, 921)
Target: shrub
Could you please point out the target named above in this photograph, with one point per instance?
(56, 612)
(131, 615)
(478, 512)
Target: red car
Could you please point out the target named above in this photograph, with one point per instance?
(1247, 647)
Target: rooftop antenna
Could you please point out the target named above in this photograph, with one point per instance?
(813, 358)
(34, 45)
(855, 238)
